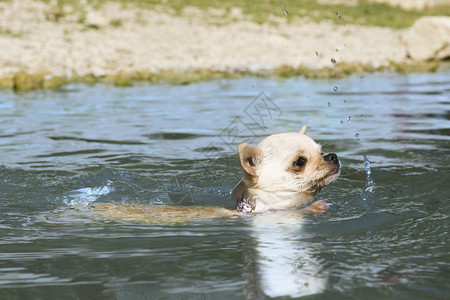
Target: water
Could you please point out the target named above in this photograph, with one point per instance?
(385, 235)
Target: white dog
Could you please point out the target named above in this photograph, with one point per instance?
(284, 171)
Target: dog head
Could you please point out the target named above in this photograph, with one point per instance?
(285, 170)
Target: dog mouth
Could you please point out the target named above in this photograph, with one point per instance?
(331, 176)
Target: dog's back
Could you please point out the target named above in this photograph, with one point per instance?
(160, 214)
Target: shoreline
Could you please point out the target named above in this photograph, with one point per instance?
(121, 45)
(23, 81)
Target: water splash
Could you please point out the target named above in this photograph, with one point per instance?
(85, 196)
(335, 88)
(370, 184)
(329, 104)
(349, 119)
(357, 137)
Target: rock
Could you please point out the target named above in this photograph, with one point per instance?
(54, 82)
(26, 82)
(123, 80)
(428, 39)
(6, 83)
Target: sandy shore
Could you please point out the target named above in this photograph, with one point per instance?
(36, 39)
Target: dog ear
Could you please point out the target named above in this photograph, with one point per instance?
(303, 130)
(250, 158)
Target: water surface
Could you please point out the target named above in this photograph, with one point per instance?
(385, 235)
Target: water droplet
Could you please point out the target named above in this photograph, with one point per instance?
(357, 137)
(370, 183)
(369, 189)
(333, 60)
(345, 101)
(329, 104)
(342, 122)
(285, 12)
(335, 89)
(317, 53)
(349, 119)
(362, 116)
(367, 165)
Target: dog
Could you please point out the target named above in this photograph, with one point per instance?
(285, 171)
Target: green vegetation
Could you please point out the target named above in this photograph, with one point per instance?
(7, 31)
(23, 81)
(261, 11)
(116, 22)
(344, 70)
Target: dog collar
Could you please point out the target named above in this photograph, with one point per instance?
(243, 206)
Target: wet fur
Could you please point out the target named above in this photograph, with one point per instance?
(272, 181)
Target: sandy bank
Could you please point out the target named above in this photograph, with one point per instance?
(36, 39)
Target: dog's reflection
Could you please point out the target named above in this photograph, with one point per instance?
(284, 172)
(280, 263)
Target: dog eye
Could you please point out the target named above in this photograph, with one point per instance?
(300, 162)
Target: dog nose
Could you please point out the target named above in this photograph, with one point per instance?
(332, 157)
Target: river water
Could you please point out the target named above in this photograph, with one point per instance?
(385, 235)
